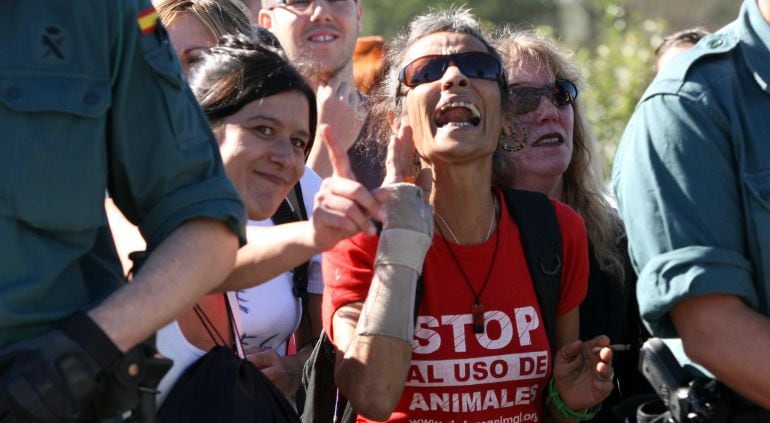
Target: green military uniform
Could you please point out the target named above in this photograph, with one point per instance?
(692, 174)
(92, 99)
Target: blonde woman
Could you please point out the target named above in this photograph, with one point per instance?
(554, 152)
(195, 25)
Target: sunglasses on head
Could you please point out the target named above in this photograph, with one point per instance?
(473, 64)
(526, 99)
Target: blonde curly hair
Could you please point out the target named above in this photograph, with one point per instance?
(583, 180)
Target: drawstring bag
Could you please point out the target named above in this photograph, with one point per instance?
(223, 387)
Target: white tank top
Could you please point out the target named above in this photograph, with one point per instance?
(266, 315)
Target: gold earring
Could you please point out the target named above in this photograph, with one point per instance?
(503, 145)
(508, 147)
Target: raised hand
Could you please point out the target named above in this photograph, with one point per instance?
(406, 204)
(343, 207)
(341, 109)
(584, 377)
(400, 165)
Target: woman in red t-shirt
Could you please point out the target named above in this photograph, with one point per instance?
(477, 349)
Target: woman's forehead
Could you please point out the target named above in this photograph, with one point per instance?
(528, 70)
(443, 43)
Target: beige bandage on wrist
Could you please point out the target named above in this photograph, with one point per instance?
(389, 306)
(404, 241)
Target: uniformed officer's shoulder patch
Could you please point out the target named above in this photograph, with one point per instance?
(709, 46)
(147, 20)
(673, 76)
(719, 42)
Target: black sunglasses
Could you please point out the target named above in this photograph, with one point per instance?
(526, 99)
(473, 64)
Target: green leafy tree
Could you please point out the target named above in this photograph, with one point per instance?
(386, 17)
(618, 69)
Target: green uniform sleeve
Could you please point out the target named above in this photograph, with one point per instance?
(165, 166)
(678, 192)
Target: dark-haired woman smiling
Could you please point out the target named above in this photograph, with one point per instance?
(263, 115)
(477, 326)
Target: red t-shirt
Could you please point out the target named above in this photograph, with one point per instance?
(457, 375)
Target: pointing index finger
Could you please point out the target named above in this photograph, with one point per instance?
(337, 155)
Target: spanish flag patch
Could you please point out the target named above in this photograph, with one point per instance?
(148, 20)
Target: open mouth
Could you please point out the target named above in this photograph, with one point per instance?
(457, 114)
(548, 140)
(322, 38)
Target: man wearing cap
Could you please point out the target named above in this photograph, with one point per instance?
(692, 179)
(92, 100)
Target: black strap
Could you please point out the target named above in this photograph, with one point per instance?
(419, 292)
(237, 339)
(541, 239)
(301, 201)
(286, 214)
(207, 324)
(89, 336)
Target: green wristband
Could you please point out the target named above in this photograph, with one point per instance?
(555, 398)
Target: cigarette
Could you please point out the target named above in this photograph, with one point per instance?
(613, 347)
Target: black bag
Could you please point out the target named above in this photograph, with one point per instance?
(223, 387)
(686, 395)
(541, 239)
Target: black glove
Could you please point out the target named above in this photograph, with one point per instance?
(68, 374)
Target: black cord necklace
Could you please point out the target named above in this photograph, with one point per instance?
(477, 308)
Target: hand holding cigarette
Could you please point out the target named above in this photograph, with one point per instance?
(613, 347)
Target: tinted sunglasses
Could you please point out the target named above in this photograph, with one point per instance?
(526, 99)
(473, 64)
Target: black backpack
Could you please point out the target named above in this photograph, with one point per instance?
(287, 213)
(540, 233)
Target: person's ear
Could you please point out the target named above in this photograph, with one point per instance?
(507, 119)
(265, 19)
(394, 122)
(219, 133)
(360, 11)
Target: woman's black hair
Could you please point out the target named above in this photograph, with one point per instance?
(239, 70)
(266, 38)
